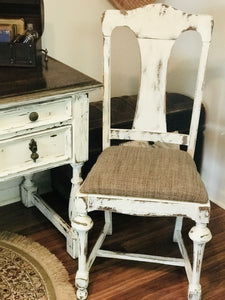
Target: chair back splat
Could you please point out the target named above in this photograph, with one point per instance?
(156, 27)
(142, 178)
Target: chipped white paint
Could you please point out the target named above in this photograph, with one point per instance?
(198, 98)
(60, 132)
(107, 92)
(156, 27)
(27, 189)
(200, 235)
(80, 108)
(54, 146)
(17, 118)
(158, 21)
(137, 135)
(150, 115)
(142, 257)
(58, 222)
(149, 207)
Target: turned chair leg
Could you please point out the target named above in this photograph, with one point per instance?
(200, 235)
(82, 224)
(108, 220)
(76, 182)
(177, 228)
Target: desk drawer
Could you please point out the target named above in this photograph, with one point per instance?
(50, 147)
(34, 115)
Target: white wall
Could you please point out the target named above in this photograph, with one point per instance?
(73, 33)
(77, 40)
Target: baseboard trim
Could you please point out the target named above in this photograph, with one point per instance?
(9, 201)
(219, 203)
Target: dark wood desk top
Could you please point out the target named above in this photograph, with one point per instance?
(51, 78)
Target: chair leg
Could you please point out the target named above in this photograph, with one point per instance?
(108, 220)
(82, 224)
(200, 235)
(178, 227)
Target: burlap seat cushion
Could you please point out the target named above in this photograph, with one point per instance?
(147, 173)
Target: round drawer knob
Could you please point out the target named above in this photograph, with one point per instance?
(33, 116)
(34, 156)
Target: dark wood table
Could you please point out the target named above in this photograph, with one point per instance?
(50, 77)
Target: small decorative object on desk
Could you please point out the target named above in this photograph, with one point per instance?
(21, 28)
(130, 4)
(28, 36)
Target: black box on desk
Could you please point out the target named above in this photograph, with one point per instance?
(21, 28)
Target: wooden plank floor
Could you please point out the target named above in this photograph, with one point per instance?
(123, 280)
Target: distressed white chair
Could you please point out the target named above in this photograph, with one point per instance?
(148, 181)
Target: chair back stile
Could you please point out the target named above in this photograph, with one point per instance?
(198, 97)
(106, 113)
(156, 32)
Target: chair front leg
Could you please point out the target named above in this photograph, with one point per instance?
(82, 224)
(200, 235)
(177, 228)
(108, 220)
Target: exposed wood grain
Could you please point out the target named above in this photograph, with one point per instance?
(112, 279)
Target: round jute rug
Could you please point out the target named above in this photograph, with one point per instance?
(28, 271)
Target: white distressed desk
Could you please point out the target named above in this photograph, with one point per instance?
(44, 124)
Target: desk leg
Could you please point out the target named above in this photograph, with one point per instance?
(76, 182)
(27, 188)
